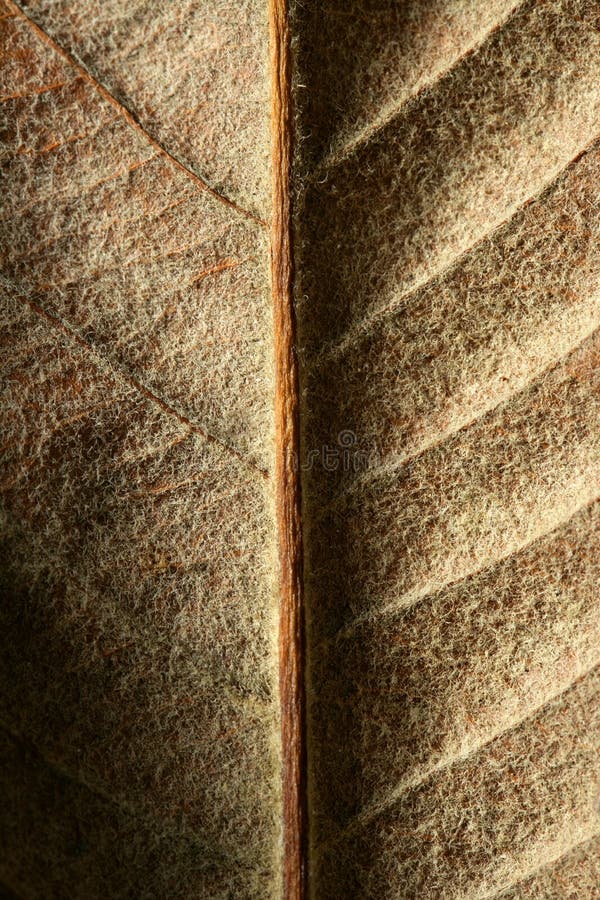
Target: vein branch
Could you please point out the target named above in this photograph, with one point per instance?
(392, 465)
(380, 312)
(393, 111)
(420, 593)
(368, 814)
(128, 115)
(141, 388)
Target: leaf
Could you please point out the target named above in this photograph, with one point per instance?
(410, 396)
(448, 313)
(139, 666)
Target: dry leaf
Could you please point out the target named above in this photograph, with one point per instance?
(139, 612)
(448, 305)
(445, 286)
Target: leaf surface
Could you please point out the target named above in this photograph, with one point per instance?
(138, 613)
(448, 303)
(444, 270)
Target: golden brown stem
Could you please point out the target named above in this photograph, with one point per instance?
(291, 637)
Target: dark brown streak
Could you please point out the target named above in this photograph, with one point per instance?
(291, 625)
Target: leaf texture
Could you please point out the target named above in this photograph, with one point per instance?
(139, 712)
(441, 365)
(447, 294)
(194, 75)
